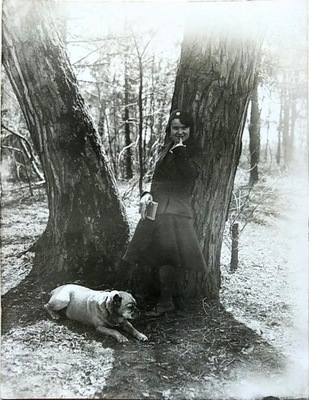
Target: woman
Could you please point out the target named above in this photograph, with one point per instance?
(169, 242)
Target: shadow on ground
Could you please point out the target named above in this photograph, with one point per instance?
(189, 355)
(195, 353)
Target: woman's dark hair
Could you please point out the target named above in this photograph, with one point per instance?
(184, 117)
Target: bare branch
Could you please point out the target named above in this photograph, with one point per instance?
(27, 150)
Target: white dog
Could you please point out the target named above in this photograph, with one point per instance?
(101, 309)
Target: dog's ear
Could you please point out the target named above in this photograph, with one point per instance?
(117, 300)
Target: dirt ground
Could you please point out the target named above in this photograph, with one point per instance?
(251, 345)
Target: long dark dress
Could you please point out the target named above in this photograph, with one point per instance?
(170, 238)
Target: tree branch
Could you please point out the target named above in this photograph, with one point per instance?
(27, 150)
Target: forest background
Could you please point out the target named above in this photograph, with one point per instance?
(125, 59)
(126, 55)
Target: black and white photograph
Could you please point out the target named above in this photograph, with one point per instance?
(154, 199)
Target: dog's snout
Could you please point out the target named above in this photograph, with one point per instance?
(135, 312)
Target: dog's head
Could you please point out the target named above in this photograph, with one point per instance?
(122, 304)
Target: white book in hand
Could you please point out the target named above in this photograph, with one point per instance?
(151, 210)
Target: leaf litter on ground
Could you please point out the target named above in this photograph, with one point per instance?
(48, 360)
(187, 356)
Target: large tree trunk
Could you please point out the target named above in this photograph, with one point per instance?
(214, 82)
(87, 230)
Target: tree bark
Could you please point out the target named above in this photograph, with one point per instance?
(87, 229)
(214, 82)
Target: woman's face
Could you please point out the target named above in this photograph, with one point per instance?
(179, 131)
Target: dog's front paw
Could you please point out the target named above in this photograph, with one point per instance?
(52, 313)
(121, 338)
(142, 337)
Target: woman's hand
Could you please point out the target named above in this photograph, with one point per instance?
(177, 144)
(144, 201)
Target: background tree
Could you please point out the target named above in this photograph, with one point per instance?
(282, 84)
(18, 156)
(141, 135)
(128, 142)
(254, 135)
(134, 79)
(87, 230)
